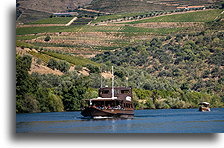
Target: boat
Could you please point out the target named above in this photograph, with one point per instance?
(119, 106)
(112, 102)
(204, 107)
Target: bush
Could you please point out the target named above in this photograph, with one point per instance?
(61, 65)
(47, 38)
(78, 67)
(52, 63)
(92, 68)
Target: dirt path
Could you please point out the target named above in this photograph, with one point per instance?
(69, 23)
(219, 15)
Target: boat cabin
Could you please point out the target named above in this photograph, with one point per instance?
(204, 106)
(119, 92)
(120, 100)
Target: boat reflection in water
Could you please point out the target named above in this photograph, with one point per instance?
(108, 105)
(204, 107)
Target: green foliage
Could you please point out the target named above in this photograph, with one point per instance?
(27, 37)
(92, 68)
(24, 83)
(61, 65)
(43, 57)
(78, 67)
(76, 60)
(35, 30)
(162, 99)
(23, 44)
(171, 64)
(52, 63)
(49, 93)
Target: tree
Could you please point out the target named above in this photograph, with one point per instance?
(25, 85)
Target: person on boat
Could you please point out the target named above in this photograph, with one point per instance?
(119, 107)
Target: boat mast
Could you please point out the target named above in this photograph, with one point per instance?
(101, 83)
(112, 81)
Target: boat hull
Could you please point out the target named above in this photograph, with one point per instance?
(204, 109)
(93, 112)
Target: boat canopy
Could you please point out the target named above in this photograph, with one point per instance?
(204, 103)
(103, 99)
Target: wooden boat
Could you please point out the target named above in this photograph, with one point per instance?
(204, 107)
(106, 105)
(110, 103)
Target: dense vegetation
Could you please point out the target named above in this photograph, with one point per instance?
(47, 93)
(183, 64)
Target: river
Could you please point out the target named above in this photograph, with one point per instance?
(144, 121)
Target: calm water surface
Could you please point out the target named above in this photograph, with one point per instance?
(145, 121)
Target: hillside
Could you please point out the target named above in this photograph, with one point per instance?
(31, 10)
(119, 6)
(52, 6)
(170, 64)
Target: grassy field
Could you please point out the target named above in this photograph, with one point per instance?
(44, 57)
(27, 37)
(200, 16)
(54, 20)
(76, 60)
(50, 29)
(22, 44)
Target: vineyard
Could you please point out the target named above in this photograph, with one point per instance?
(84, 38)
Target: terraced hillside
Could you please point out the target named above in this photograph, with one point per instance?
(80, 36)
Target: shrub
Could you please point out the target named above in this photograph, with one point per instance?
(93, 68)
(52, 63)
(47, 38)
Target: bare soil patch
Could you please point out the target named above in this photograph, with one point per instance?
(41, 69)
(106, 75)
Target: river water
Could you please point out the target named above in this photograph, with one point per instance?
(144, 121)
